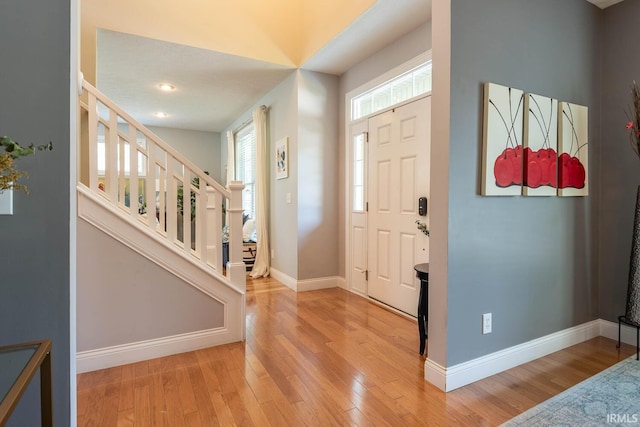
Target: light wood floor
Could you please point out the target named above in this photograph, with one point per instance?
(321, 358)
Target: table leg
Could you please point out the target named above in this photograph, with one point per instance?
(422, 315)
(46, 404)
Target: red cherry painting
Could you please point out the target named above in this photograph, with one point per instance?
(571, 173)
(538, 146)
(532, 169)
(540, 155)
(572, 169)
(502, 161)
(503, 170)
(507, 169)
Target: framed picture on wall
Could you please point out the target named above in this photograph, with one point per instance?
(502, 141)
(573, 150)
(282, 158)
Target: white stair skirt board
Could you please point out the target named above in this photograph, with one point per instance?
(451, 378)
(93, 360)
(105, 217)
(308, 284)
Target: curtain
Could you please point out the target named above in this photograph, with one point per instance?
(261, 265)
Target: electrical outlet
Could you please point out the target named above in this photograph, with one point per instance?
(273, 253)
(486, 323)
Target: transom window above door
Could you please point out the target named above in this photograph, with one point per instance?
(401, 88)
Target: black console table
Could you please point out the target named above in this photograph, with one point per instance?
(623, 319)
(422, 271)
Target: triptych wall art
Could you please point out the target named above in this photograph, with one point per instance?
(533, 145)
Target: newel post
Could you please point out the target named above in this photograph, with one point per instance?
(236, 270)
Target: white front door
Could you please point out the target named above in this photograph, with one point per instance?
(398, 168)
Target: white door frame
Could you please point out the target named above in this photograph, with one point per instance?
(400, 69)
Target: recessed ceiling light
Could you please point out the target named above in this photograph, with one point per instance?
(161, 114)
(167, 87)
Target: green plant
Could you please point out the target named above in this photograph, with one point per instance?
(9, 175)
(196, 183)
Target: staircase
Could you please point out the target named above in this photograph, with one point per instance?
(137, 189)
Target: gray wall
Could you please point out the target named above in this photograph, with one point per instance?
(202, 148)
(307, 235)
(412, 44)
(282, 121)
(532, 262)
(317, 175)
(136, 301)
(303, 233)
(34, 108)
(620, 168)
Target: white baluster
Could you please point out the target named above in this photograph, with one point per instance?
(201, 221)
(93, 142)
(171, 201)
(162, 198)
(186, 208)
(111, 162)
(150, 190)
(133, 171)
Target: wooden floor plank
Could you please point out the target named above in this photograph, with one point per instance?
(321, 358)
(173, 405)
(127, 386)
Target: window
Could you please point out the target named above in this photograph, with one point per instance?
(406, 86)
(102, 158)
(358, 172)
(246, 168)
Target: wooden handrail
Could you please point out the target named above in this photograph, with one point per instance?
(166, 147)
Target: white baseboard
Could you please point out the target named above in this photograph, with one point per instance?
(610, 330)
(451, 378)
(308, 284)
(108, 357)
(342, 283)
(286, 280)
(435, 374)
(320, 283)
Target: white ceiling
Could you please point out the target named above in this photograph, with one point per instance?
(378, 26)
(214, 89)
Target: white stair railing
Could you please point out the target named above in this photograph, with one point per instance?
(144, 177)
